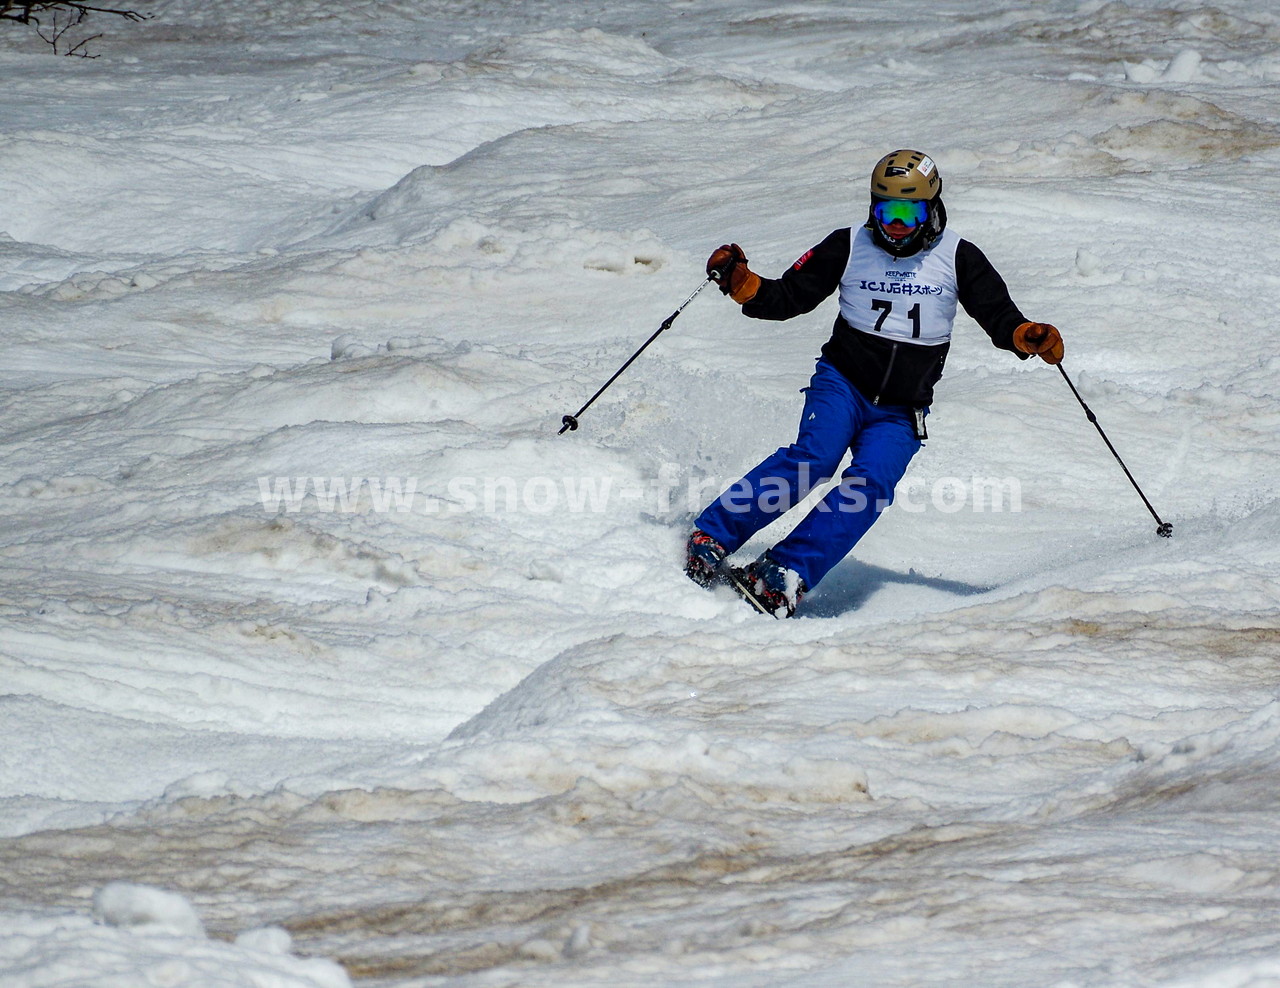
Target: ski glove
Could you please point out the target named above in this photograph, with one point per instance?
(1041, 338)
(727, 267)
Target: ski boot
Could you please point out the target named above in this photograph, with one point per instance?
(703, 559)
(770, 586)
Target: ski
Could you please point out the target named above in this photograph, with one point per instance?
(737, 579)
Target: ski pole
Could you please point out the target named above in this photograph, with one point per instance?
(571, 421)
(1163, 528)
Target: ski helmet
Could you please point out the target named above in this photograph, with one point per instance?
(906, 187)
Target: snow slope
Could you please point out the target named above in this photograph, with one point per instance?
(324, 660)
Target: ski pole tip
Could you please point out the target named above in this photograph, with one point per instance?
(1164, 530)
(570, 425)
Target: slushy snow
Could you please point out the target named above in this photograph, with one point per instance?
(326, 661)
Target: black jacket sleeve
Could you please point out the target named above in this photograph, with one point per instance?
(985, 297)
(814, 277)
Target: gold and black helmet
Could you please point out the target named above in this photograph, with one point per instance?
(907, 214)
(906, 175)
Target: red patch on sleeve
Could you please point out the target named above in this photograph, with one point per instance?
(800, 263)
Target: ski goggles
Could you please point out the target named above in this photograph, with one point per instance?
(909, 212)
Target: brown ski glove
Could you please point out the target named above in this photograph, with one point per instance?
(727, 267)
(1040, 338)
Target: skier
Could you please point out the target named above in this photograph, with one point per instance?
(899, 277)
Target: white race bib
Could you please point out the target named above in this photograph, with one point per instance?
(911, 299)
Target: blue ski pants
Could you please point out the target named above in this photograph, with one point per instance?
(836, 418)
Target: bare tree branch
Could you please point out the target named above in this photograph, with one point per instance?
(22, 10)
(66, 14)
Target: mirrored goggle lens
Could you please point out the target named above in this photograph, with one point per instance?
(911, 212)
